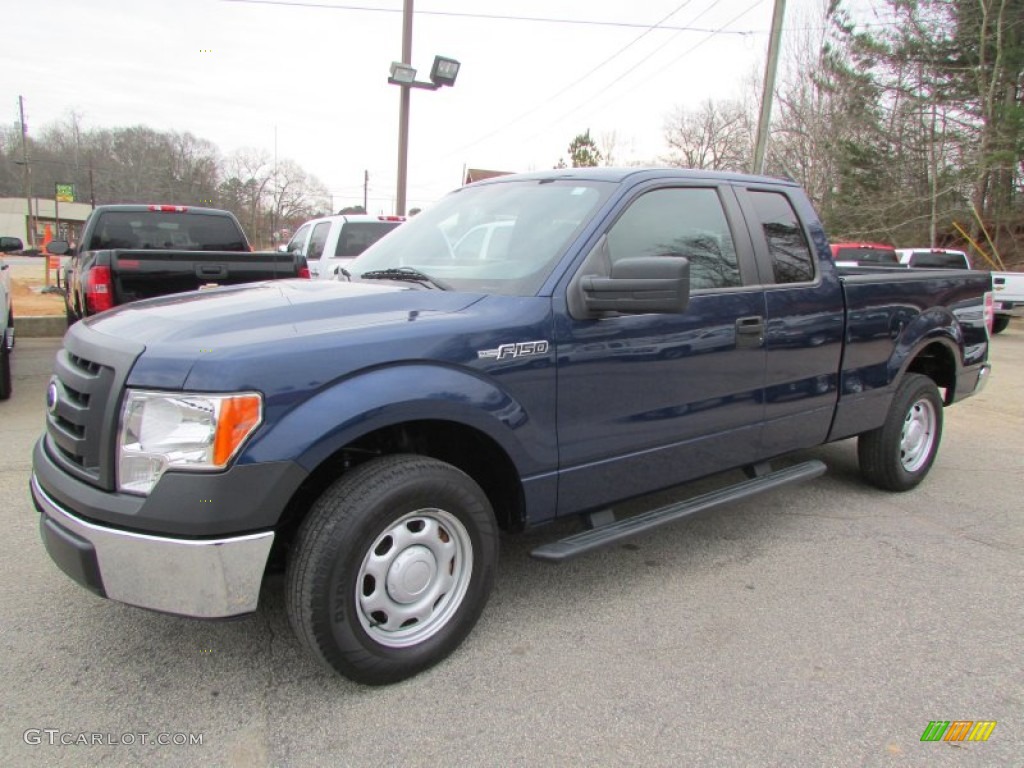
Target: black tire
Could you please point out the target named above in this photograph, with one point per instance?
(9, 338)
(6, 387)
(388, 518)
(898, 455)
(999, 324)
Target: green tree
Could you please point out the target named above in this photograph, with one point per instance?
(583, 152)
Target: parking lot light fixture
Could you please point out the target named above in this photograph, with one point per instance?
(444, 71)
(402, 74)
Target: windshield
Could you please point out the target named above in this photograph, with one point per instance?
(499, 238)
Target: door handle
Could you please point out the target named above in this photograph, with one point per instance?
(750, 331)
(211, 270)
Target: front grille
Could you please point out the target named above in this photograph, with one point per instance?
(81, 425)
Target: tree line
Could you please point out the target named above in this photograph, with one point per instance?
(143, 165)
(909, 131)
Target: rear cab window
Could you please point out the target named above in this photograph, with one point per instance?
(938, 260)
(155, 230)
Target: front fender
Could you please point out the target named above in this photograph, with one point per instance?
(371, 399)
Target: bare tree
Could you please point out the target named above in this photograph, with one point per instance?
(716, 136)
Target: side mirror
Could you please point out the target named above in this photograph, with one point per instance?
(11, 244)
(58, 247)
(640, 286)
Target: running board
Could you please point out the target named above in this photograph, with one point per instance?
(579, 543)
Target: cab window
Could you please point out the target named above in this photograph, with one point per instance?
(686, 222)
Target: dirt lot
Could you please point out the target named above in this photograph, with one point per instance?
(27, 281)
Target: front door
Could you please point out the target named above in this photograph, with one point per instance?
(649, 401)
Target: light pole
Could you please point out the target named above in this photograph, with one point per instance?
(403, 74)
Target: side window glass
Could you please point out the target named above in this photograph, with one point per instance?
(295, 244)
(792, 261)
(680, 222)
(318, 240)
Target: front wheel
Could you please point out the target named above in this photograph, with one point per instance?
(1000, 324)
(898, 455)
(392, 568)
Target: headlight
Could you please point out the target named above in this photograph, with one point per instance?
(166, 430)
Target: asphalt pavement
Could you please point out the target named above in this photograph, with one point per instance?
(824, 624)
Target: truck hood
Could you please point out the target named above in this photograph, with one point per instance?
(274, 310)
(214, 335)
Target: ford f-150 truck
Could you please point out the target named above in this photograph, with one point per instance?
(132, 252)
(373, 434)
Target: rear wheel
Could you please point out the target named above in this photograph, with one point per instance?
(999, 324)
(898, 455)
(392, 568)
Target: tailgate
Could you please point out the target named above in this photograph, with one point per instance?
(144, 274)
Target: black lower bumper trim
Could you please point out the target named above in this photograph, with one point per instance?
(72, 554)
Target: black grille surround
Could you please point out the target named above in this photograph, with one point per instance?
(81, 427)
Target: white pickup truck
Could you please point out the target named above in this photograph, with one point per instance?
(1008, 292)
(7, 245)
(333, 241)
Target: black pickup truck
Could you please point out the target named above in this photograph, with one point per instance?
(613, 333)
(132, 252)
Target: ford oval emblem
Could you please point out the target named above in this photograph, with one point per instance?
(52, 397)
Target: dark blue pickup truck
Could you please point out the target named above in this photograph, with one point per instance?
(532, 347)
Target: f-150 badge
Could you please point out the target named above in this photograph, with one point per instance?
(513, 351)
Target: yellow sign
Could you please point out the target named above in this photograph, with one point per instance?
(65, 193)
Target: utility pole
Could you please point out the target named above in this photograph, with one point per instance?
(769, 86)
(366, 187)
(27, 174)
(403, 110)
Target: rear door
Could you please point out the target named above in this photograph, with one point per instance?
(649, 401)
(805, 319)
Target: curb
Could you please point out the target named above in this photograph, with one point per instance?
(39, 327)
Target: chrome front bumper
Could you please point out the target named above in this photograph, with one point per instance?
(205, 578)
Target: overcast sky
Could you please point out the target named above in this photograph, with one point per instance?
(311, 75)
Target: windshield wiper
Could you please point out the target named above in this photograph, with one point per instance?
(405, 273)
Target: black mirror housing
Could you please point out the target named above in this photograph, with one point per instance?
(58, 247)
(640, 286)
(11, 244)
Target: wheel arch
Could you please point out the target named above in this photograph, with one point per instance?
(937, 357)
(468, 423)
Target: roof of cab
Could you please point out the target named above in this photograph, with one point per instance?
(618, 175)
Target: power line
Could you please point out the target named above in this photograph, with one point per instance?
(629, 71)
(488, 16)
(523, 115)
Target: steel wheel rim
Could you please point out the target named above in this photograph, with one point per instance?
(414, 577)
(918, 435)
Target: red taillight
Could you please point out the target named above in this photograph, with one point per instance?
(990, 315)
(391, 218)
(169, 208)
(304, 272)
(99, 290)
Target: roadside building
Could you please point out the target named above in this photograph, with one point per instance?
(64, 219)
